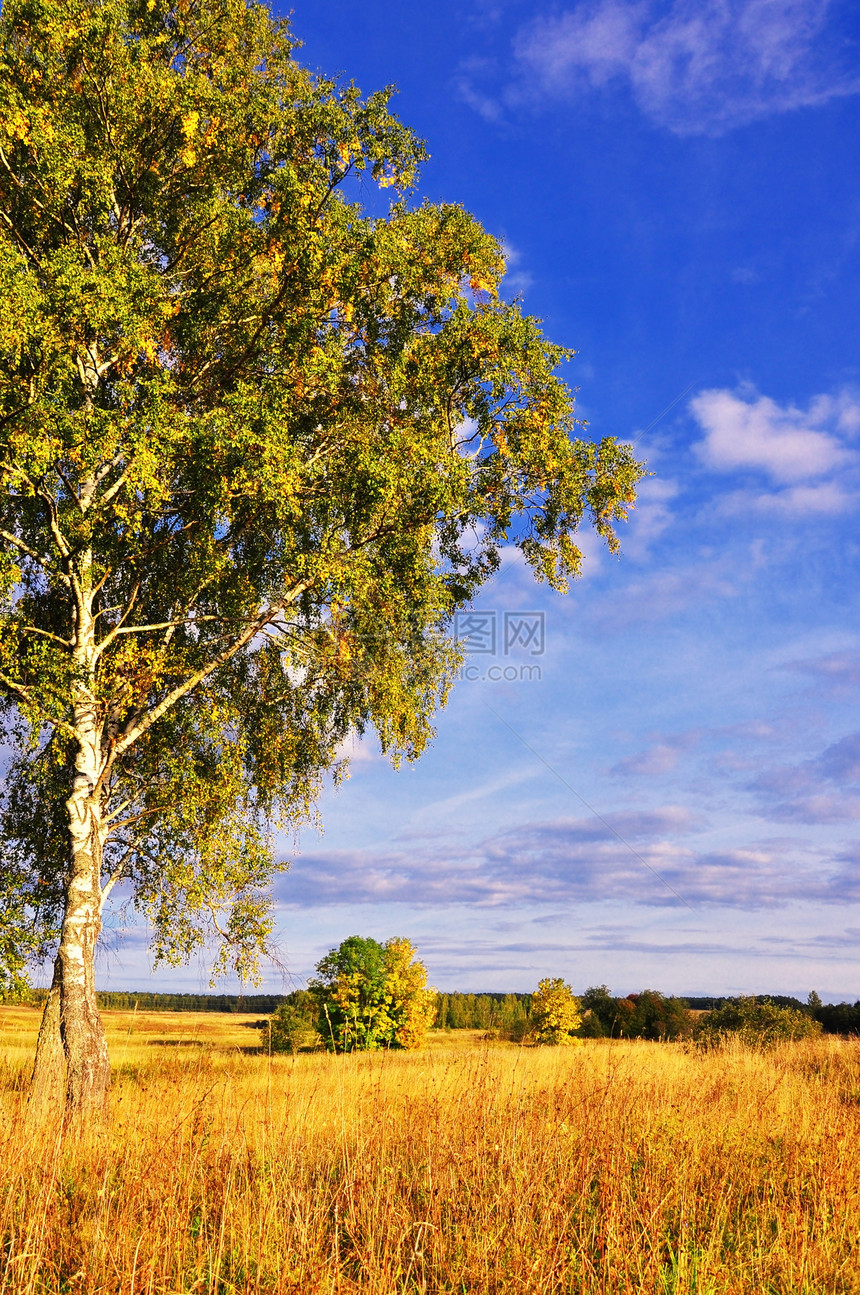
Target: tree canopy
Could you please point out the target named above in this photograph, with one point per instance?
(257, 444)
(555, 1012)
(647, 1015)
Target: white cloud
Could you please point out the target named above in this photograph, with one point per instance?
(821, 790)
(807, 454)
(839, 669)
(694, 66)
(743, 430)
(358, 750)
(577, 861)
(661, 757)
(662, 594)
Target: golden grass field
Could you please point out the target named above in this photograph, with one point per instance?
(467, 1167)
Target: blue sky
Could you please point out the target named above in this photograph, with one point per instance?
(658, 783)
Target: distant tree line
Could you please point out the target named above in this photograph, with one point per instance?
(646, 1015)
(835, 1018)
(128, 1001)
(505, 1013)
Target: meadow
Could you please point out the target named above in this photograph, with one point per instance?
(469, 1166)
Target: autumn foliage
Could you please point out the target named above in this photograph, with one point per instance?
(373, 995)
(555, 1012)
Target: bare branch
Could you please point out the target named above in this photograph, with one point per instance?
(113, 490)
(165, 625)
(136, 818)
(109, 637)
(67, 483)
(49, 501)
(55, 638)
(212, 913)
(108, 818)
(116, 874)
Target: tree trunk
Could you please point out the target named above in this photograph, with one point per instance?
(72, 1004)
(87, 1064)
(49, 1070)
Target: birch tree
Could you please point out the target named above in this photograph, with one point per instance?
(258, 443)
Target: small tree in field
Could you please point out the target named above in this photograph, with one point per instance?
(555, 1012)
(257, 446)
(373, 996)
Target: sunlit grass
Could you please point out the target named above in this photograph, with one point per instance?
(620, 1167)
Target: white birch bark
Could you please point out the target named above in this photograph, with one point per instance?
(84, 1050)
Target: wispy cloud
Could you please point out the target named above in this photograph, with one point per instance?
(467, 85)
(575, 861)
(517, 280)
(663, 594)
(693, 66)
(838, 669)
(661, 757)
(652, 517)
(825, 789)
(808, 455)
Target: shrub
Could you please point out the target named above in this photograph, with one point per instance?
(758, 1024)
(290, 1030)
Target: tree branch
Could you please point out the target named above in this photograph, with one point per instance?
(111, 635)
(22, 692)
(31, 553)
(34, 629)
(108, 818)
(184, 688)
(116, 874)
(49, 501)
(164, 625)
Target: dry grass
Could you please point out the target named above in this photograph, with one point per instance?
(626, 1167)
